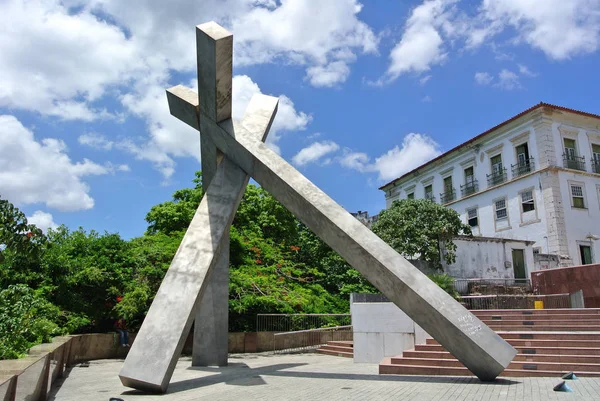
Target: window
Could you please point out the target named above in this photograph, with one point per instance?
(469, 175)
(569, 148)
(410, 195)
(501, 213)
(522, 154)
(586, 254)
(448, 184)
(527, 202)
(472, 217)
(496, 164)
(577, 197)
(429, 192)
(596, 158)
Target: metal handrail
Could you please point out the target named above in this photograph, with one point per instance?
(448, 196)
(574, 162)
(496, 178)
(469, 188)
(520, 169)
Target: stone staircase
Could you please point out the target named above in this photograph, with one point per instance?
(549, 342)
(337, 348)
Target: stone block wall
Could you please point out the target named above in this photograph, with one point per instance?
(570, 280)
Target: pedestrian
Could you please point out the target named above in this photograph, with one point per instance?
(121, 328)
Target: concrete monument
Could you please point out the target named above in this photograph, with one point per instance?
(196, 277)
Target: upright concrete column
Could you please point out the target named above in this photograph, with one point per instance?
(214, 46)
(154, 354)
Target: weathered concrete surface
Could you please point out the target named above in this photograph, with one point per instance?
(214, 47)
(458, 330)
(151, 361)
(312, 377)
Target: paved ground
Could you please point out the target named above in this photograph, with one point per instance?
(309, 377)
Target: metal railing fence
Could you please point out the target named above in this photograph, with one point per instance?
(299, 321)
(525, 301)
(308, 340)
(491, 286)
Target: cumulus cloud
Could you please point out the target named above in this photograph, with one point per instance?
(34, 171)
(42, 220)
(314, 152)
(415, 150)
(421, 45)
(508, 80)
(561, 29)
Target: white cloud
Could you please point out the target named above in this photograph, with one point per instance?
(523, 70)
(421, 45)
(41, 171)
(42, 220)
(95, 140)
(425, 79)
(287, 118)
(416, 149)
(561, 29)
(314, 152)
(328, 75)
(426, 99)
(508, 80)
(57, 63)
(483, 78)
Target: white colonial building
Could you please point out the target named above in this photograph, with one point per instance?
(534, 177)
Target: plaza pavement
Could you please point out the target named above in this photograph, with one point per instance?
(308, 377)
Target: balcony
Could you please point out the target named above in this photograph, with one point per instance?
(523, 168)
(573, 162)
(429, 196)
(448, 196)
(469, 188)
(497, 177)
(596, 166)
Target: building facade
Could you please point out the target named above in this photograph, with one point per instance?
(534, 177)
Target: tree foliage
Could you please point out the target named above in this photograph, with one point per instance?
(80, 281)
(415, 228)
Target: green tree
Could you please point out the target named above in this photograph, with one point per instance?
(26, 319)
(415, 228)
(22, 246)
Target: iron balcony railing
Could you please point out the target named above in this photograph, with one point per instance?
(430, 197)
(596, 166)
(497, 177)
(522, 168)
(448, 196)
(574, 162)
(469, 188)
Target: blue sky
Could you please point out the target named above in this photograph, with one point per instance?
(367, 91)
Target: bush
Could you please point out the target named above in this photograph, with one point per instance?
(446, 283)
(26, 319)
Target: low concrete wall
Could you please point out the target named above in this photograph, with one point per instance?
(570, 280)
(31, 378)
(381, 329)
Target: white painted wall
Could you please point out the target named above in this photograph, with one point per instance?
(480, 258)
(381, 329)
(530, 226)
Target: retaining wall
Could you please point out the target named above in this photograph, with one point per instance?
(570, 280)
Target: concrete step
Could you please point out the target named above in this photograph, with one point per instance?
(554, 335)
(335, 353)
(386, 367)
(544, 343)
(336, 348)
(584, 359)
(341, 343)
(515, 317)
(528, 350)
(530, 312)
(552, 323)
(508, 327)
(515, 365)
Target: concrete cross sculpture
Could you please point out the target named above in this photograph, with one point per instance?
(196, 281)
